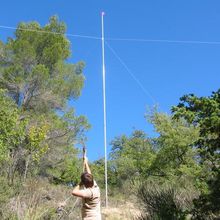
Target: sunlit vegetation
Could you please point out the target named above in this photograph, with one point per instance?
(174, 175)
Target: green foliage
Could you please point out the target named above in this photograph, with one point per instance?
(37, 135)
(33, 67)
(34, 72)
(208, 205)
(165, 202)
(12, 130)
(68, 169)
(38, 132)
(176, 154)
(98, 171)
(6, 192)
(204, 112)
(17, 140)
(60, 162)
(169, 157)
(131, 157)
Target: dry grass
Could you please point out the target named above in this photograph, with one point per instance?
(40, 200)
(121, 209)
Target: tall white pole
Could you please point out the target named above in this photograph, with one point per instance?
(104, 109)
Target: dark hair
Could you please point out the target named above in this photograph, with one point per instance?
(87, 180)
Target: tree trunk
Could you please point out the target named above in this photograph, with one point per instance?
(26, 167)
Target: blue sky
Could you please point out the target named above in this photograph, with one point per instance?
(166, 69)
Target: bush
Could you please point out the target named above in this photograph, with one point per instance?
(166, 202)
(37, 199)
(6, 193)
(207, 206)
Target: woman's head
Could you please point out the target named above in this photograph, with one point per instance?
(87, 180)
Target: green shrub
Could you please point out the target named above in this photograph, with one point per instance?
(165, 202)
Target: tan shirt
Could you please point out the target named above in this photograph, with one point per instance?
(91, 204)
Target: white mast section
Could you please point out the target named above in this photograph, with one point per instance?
(104, 109)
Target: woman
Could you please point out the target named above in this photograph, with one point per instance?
(89, 191)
